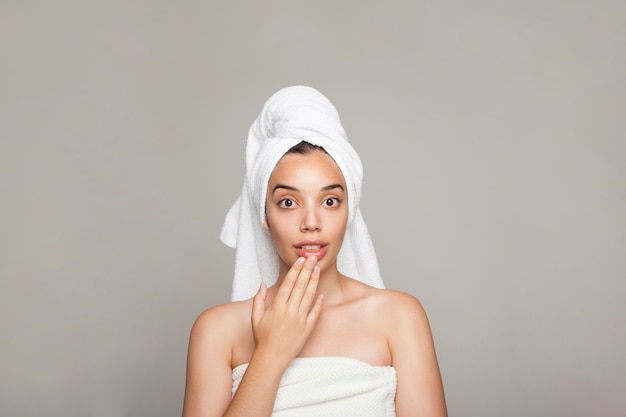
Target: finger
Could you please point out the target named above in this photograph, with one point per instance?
(314, 314)
(309, 294)
(258, 303)
(302, 281)
(287, 285)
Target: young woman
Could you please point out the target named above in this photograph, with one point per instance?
(310, 332)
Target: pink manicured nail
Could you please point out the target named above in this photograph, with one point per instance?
(311, 260)
(300, 261)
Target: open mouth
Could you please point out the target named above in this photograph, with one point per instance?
(311, 249)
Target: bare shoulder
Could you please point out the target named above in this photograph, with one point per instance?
(419, 389)
(223, 313)
(399, 298)
(397, 305)
(223, 320)
(214, 336)
(402, 316)
(402, 321)
(404, 305)
(394, 310)
(222, 330)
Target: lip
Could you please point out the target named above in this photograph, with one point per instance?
(304, 248)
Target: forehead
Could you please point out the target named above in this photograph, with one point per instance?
(314, 166)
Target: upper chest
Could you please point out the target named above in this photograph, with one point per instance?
(351, 334)
(356, 330)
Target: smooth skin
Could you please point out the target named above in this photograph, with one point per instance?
(313, 310)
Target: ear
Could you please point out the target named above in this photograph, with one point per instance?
(266, 225)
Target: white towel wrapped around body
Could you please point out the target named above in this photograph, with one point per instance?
(332, 386)
(290, 116)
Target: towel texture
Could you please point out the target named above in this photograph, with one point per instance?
(290, 116)
(332, 386)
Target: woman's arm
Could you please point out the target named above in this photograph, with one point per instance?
(420, 390)
(280, 332)
(209, 374)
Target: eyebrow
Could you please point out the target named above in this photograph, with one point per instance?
(284, 187)
(290, 188)
(332, 187)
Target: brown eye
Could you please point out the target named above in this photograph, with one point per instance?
(286, 203)
(331, 202)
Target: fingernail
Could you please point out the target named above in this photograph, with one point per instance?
(300, 261)
(311, 260)
(316, 269)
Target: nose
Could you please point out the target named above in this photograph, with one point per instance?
(311, 221)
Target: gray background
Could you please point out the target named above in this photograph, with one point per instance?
(493, 136)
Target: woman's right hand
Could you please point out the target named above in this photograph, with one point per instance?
(281, 330)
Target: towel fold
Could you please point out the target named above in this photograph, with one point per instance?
(332, 386)
(290, 116)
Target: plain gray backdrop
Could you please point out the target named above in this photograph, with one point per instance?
(493, 135)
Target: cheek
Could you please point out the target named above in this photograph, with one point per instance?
(344, 223)
(338, 224)
(278, 224)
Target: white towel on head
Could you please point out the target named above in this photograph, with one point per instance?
(290, 116)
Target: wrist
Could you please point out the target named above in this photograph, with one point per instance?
(269, 361)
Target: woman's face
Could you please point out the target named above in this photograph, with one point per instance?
(307, 208)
